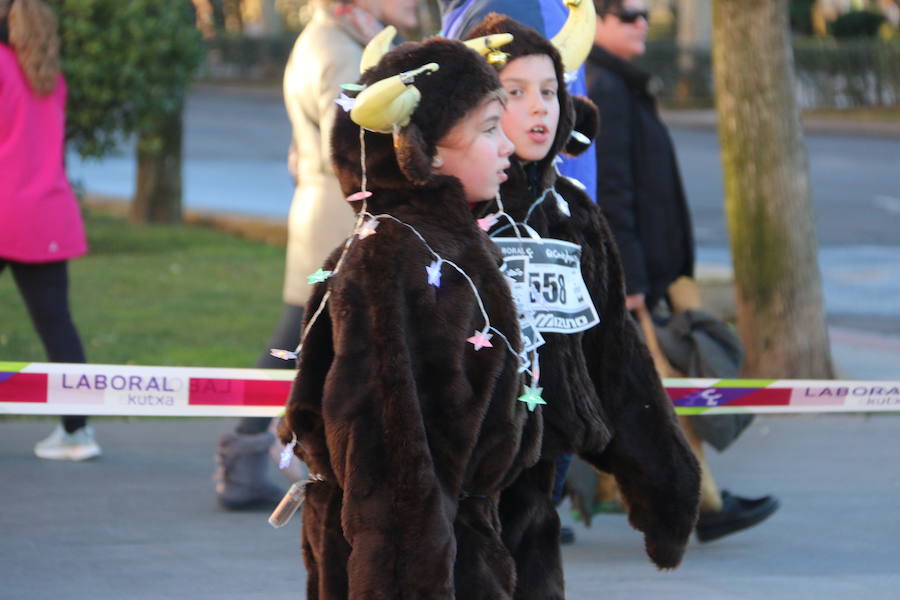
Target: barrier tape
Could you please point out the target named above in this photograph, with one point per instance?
(90, 389)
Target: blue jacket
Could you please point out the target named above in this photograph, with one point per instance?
(547, 17)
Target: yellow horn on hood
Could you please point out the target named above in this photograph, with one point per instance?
(389, 102)
(487, 46)
(377, 47)
(575, 39)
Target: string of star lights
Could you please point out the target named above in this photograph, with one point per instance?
(366, 225)
(532, 395)
(322, 275)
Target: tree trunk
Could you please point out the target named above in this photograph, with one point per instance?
(779, 303)
(158, 195)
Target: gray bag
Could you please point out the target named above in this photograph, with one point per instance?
(701, 345)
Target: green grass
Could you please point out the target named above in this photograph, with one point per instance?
(160, 295)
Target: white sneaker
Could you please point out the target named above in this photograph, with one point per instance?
(59, 445)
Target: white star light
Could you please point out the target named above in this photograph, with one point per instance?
(561, 204)
(367, 228)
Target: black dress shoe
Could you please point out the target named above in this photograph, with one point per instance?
(566, 535)
(737, 514)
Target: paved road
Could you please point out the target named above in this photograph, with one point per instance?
(140, 522)
(855, 187)
(856, 205)
(235, 146)
(239, 137)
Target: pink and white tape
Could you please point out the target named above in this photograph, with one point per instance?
(90, 389)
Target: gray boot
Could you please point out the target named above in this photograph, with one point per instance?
(241, 475)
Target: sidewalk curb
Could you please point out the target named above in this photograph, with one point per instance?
(251, 227)
(707, 119)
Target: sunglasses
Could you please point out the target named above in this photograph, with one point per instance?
(630, 16)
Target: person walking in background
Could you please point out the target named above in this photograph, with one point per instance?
(40, 222)
(326, 54)
(640, 191)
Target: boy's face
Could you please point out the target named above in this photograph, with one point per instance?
(532, 110)
(476, 151)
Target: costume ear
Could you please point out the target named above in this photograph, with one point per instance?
(587, 125)
(413, 154)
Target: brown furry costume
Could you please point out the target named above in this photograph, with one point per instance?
(413, 431)
(604, 399)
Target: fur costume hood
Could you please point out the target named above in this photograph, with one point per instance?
(575, 112)
(393, 162)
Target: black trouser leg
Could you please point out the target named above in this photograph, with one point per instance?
(286, 337)
(45, 289)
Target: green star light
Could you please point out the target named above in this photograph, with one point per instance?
(532, 397)
(318, 277)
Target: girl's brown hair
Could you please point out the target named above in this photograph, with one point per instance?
(32, 34)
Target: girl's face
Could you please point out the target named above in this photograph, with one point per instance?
(476, 151)
(532, 110)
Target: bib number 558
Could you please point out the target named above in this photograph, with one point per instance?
(550, 286)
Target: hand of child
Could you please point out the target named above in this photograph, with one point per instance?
(634, 302)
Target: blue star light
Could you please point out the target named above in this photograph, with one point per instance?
(345, 102)
(434, 273)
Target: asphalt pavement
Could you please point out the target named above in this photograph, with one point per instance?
(140, 522)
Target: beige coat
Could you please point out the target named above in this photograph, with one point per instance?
(324, 56)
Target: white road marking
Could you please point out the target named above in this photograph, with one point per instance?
(887, 203)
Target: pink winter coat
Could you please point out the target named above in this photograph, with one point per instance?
(39, 217)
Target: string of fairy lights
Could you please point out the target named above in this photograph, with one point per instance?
(367, 224)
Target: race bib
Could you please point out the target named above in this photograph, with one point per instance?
(545, 278)
(515, 269)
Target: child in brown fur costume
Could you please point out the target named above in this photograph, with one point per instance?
(604, 399)
(404, 406)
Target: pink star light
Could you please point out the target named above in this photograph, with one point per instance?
(481, 339)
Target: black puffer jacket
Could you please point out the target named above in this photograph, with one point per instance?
(639, 185)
